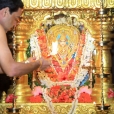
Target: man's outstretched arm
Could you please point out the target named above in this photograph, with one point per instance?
(12, 68)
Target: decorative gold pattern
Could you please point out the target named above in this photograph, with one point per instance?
(42, 108)
(51, 4)
(61, 108)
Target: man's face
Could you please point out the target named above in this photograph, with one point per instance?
(12, 20)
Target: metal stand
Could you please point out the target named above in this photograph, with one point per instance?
(102, 108)
(13, 109)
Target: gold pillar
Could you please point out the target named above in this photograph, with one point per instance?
(23, 90)
(106, 57)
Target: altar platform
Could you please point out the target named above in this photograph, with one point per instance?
(60, 108)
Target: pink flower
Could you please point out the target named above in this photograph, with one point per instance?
(110, 93)
(37, 90)
(85, 89)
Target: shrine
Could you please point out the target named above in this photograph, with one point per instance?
(77, 36)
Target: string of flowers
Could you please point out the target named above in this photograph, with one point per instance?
(49, 101)
(35, 45)
(74, 103)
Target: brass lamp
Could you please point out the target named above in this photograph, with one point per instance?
(102, 108)
(13, 109)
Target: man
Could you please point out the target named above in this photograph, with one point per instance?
(10, 12)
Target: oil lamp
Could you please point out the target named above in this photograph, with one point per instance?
(102, 108)
(14, 109)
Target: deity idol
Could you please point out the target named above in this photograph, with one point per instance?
(64, 49)
(63, 43)
(69, 49)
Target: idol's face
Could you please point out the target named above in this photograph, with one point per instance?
(62, 42)
(12, 20)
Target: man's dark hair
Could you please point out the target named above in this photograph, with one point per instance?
(13, 5)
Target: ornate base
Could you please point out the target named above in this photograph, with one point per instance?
(13, 110)
(61, 108)
(102, 109)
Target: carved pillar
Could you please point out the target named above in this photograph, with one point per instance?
(23, 90)
(106, 57)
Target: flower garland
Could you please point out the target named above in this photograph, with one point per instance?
(34, 46)
(81, 73)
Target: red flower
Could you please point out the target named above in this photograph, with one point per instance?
(84, 98)
(36, 99)
(62, 94)
(63, 97)
(54, 91)
(10, 98)
(62, 76)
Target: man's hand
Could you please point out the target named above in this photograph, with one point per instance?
(44, 64)
(30, 59)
